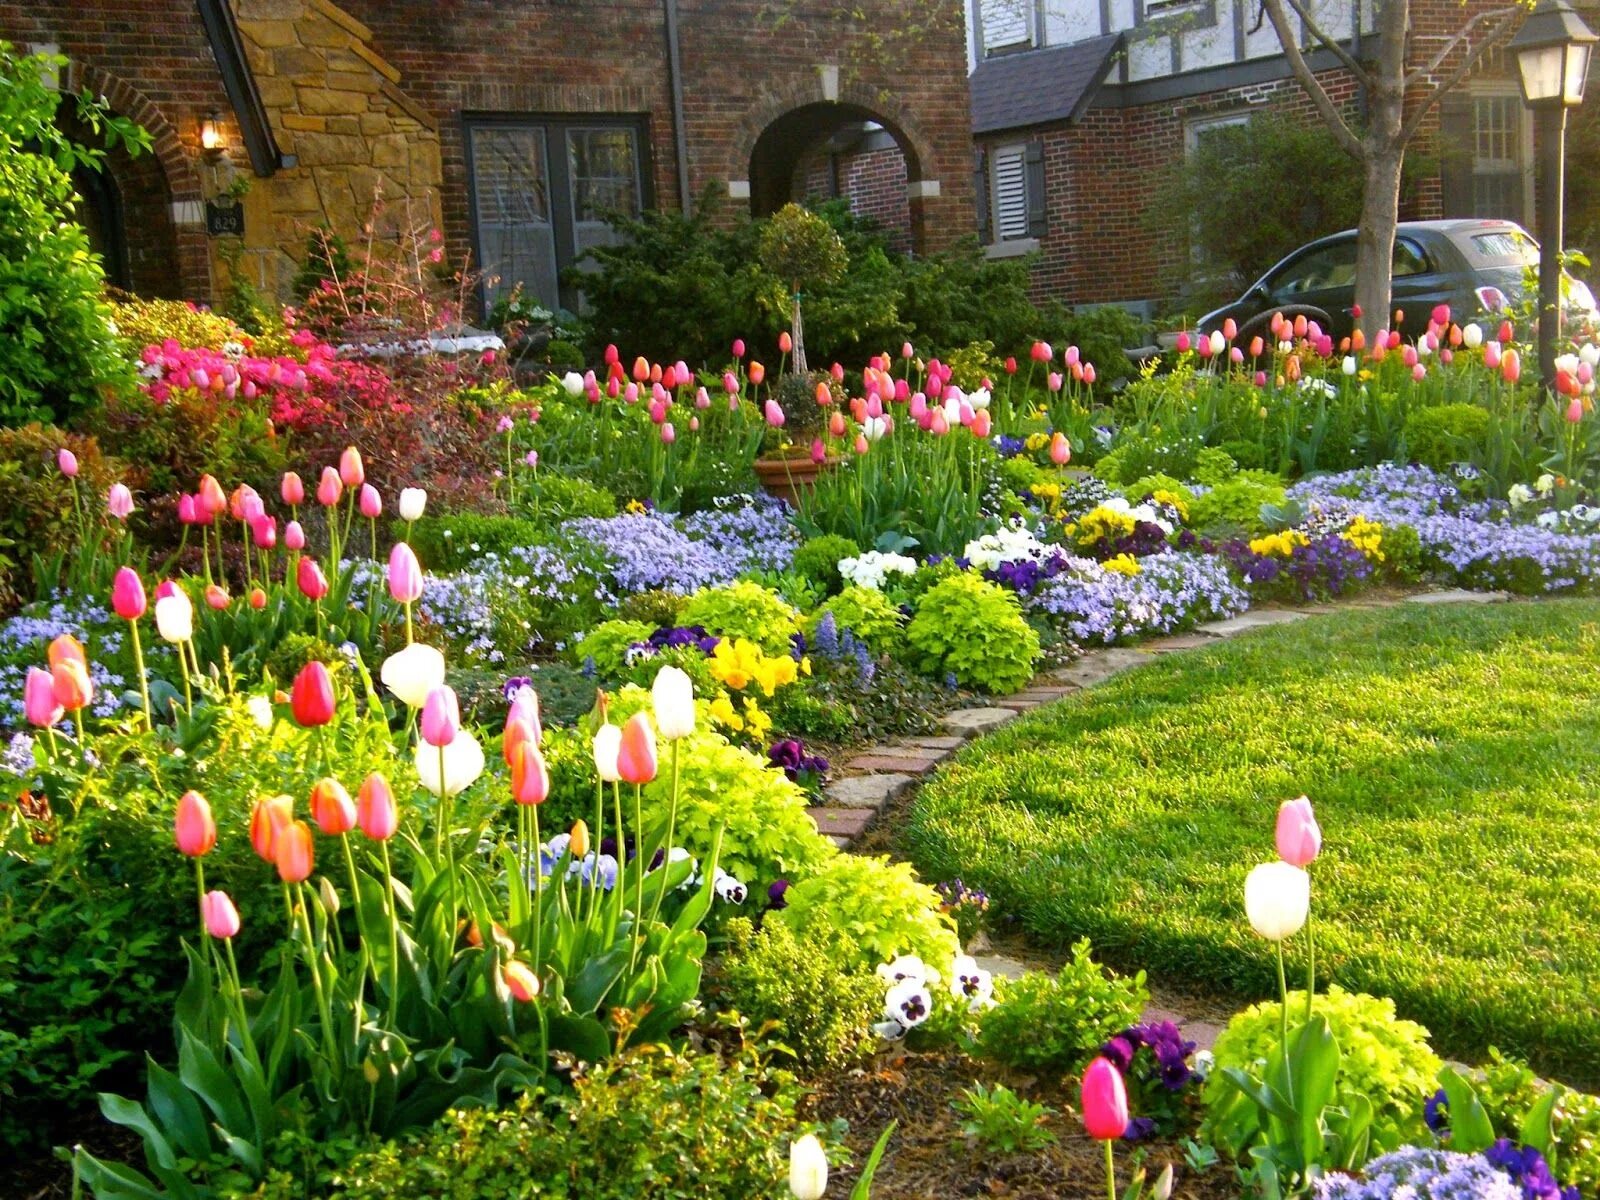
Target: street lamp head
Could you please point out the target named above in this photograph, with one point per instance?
(1552, 52)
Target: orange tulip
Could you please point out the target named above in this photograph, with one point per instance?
(757, 372)
(331, 807)
(530, 780)
(519, 732)
(293, 853)
(268, 818)
(69, 679)
(521, 982)
(66, 646)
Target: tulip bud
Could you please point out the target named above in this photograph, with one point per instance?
(757, 373)
(268, 817)
(370, 503)
(413, 501)
(193, 829)
(1277, 900)
(773, 414)
(1298, 836)
(520, 980)
(69, 679)
(607, 750)
(376, 813)
(672, 695)
(1105, 1101)
(221, 918)
(1060, 449)
(331, 807)
(127, 594)
(258, 598)
(292, 489)
(441, 716)
(578, 840)
(808, 1168)
(39, 704)
(405, 574)
(329, 896)
(68, 462)
(312, 582)
(311, 699)
(636, 750)
(738, 347)
(352, 473)
(293, 852)
(175, 618)
(330, 488)
(188, 512)
(294, 536)
(119, 501)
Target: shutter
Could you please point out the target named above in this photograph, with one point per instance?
(1004, 23)
(1036, 206)
(1010, 173)
(980, 191)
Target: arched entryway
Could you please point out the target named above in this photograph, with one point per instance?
(831, 149)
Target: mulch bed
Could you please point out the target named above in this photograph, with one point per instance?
(930, 1159)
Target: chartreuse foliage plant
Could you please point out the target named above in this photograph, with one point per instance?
(974, 630)
(607, 645)
(1438, 744)
(744, 610)
(866, 911)
(865, 612)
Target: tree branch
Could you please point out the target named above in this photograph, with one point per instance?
(1330, 43)
(1347, 140)
(1508, 18)
(1502, 15)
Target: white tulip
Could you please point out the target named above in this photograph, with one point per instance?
(1277, 899)
(673, 696)
(808, 1168)
(412, 503)
(607, 742)
(573, 382)
(1472, 335)
(1348, 366)
(1589, 353)
(175, 618)
(412, 673)
(1218, 342)
(873, 428)
(979, 399)
(463, 763)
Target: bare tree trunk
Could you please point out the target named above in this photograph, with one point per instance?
(1380, 213)
(798, 333)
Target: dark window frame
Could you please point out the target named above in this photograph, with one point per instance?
(556, 127)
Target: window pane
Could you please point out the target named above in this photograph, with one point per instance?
(516, 243)
(1010, 194)
(604, 169)
(1408, 259)
(1332, 266)
(1006, 23)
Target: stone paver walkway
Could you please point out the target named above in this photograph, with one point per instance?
(882, 774)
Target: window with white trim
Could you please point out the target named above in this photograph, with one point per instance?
(1486, 136)
(1006, 25)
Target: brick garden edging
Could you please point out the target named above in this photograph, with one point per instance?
(884, 773)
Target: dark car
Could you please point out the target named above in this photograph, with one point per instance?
(1475, 266)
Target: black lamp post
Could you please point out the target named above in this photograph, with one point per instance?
(1552, 52)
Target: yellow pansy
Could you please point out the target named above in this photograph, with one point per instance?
(1279, 545)
(1367, 537)
(1122, 564)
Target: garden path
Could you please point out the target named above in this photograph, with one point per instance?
(887, 773)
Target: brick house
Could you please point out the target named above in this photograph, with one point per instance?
(1078, 104)
(513, 127)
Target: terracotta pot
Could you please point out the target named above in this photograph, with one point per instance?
(786, 478)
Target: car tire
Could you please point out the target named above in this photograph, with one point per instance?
(1261, 324)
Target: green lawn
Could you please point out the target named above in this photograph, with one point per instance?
(1453, 754)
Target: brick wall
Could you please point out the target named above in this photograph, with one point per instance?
(874, 181)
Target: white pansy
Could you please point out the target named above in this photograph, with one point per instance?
(907, 967)
(909, 1003)
(871, 569)
(890, 1031)
(971, 984)
(1008, 544)
(1519, 494)
(1545, 484)
(728, 889)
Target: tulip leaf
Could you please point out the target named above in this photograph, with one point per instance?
(119, 1110)
(114, 1181)
(1537, 1128)
(1470, 1127)
(583, 1037)
(1314, 1059)
(203, 1074)
(176, 1110)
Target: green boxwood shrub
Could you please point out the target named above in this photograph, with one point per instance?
(744, 610)
(1214, 465)
(550, 498)
(1384, 1058)
(821, 1009)
(1446, 433)
(818, 560)
(865, 911)
(1059, 1022)
(451, 543)
(607, 644)
(867, 613)
(657, 608)
(1234, 505)
(37, 514)
(974, 630)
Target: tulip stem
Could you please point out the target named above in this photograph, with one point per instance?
(1283, 1020)
(1111, 1171)
(640, 865)
(138, 663)
(316, 972)
(538, 899)
(394, 935)
(1311, 965)
(200, 891)
(672, 821)
(622, 842)
(238, 1000)
(447, 850)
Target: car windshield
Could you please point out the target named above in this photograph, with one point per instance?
(1510, 247)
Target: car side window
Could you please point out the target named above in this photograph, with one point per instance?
(1329, 267)
(1409, 259)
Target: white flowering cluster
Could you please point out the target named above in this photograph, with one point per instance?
(1155, 514)
(1008, 544)
(871, 569)
(910, 998)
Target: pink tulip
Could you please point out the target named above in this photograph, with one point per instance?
(1088, 373)
(330, 488)
(1105, 1101)
(773, 414)
(530, 778)
(1491, 355)
(193, 830)
(352, 472)
(819, 452)
(668, 433)
(264, 532)
(1184, 342)
(1053, 381)
(1511, 366)
(405, 575)
(938, 425)
(1298, 835)
(312, 582)
(292, 489)
(1230, 329)
(1418, 372)
(524, 710)
(1261, 379)
(294, 537)
(376, 814)
(981, 424)
(188, 512)
(68, 462)
(331, 807)
(441, 717)
(636, 758)
(39, 704)
(1575, 411)
(702, 399)
(1060, 449)
(861, 446)
(220, 916)
(127, 594)
(738, 347)
(370, 502)
(730, 383)
(119, 501)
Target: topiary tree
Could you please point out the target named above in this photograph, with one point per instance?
(803, 251)
(57, 346)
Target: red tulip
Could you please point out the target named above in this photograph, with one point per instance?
(311, 699)
(221, 918)
(636, 759)
(1105, 1101)
(331, 807)
(127, 594)
(1298, 836)
(293, 852)
(376, 813)
(193, 829)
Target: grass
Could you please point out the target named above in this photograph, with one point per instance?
(1453, 755)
